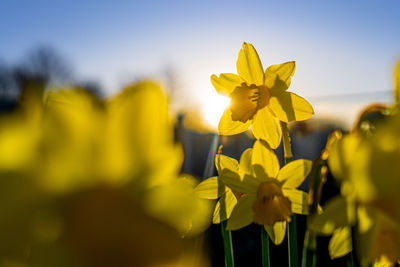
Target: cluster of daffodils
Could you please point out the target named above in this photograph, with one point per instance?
(257, 189)
(88, 182)
(366, 163)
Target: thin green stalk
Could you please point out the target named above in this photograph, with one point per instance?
(350, 260)
(292, 243)
(317, 180)
(226, 235)
(265, 247)
(309, 250)
(354, 253)
(291, 229)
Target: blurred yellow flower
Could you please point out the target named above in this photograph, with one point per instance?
(259, 98)
(140, 137)
(269, 194)
(397, 83)
(368, 170)
(92, 182)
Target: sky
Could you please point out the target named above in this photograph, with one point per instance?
(345, 51)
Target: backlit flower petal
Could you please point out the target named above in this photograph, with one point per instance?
(288, 106)
(210, 188)
(245, 162)
(283, 72)
(340, 243)
(298, 200)
(227, 126)
(267, 127)
(266, 158)
(242, 215)
(293, 174)
(249, 65)
(224, 207)
(225, 162)
(338, 212)
(342, 156)
(276, 232)
(242, 184)
(226, 83)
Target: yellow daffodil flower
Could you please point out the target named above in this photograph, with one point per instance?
(259, 98)
(269, 194)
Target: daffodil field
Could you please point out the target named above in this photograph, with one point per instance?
(86, 181)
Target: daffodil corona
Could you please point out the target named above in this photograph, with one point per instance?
(259, 99)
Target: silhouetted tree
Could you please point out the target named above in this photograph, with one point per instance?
(46, 64)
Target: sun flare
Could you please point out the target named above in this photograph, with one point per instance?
(214, 108)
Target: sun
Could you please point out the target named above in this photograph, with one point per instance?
(214, 107)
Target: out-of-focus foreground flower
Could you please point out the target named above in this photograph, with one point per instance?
(96, 183)
(367, 166)
(259, 98)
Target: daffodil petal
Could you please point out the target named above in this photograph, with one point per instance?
(224, 207)
(267, 128)
(226, 83)
(210, 188)
(298, 200)
(249, 66)
(245, 162)
(243, 214)
(365, 219)
(240, 183)
(288, 106)
(340, 243)
(225, 162)
(397, 83)
(266, 158)
(227, 126)
(337, 213)
(276, 232)
(342, 156)
(284, 72)
(293, 174)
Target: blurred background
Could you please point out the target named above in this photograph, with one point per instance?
(344, 51)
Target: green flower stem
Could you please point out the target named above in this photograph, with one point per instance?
(350, 260)
(226, 235)
(354, 253)
(309, 250)
(265, 247)
(317, 180)
(291, 229)
(292, 240)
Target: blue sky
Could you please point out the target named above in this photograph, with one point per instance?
(339, 46)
